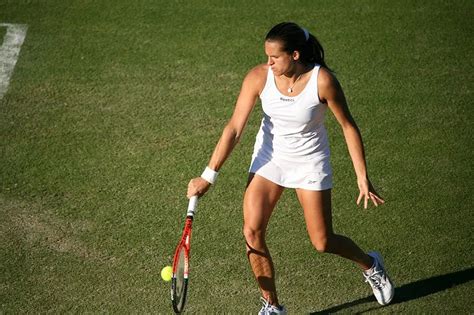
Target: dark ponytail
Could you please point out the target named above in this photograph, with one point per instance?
(294, 37)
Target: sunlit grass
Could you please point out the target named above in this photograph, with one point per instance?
(114, 106)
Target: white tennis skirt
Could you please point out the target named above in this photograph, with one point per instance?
(310, 176)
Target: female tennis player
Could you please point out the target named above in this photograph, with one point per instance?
(291, 150)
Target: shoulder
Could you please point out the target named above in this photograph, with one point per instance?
(256, 78)
(328, 85)
(257, 73)
(326, 78)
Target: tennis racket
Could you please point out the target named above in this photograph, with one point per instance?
(179, 282)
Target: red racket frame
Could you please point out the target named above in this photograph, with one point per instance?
(183, 245)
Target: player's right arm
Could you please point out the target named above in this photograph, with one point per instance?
(251, 88)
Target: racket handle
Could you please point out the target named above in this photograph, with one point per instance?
(192, 205)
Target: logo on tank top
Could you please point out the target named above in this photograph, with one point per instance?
(284, 99)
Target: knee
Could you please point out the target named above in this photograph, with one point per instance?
(254, 237)
(322, 243)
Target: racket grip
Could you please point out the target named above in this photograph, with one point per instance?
(192, 205)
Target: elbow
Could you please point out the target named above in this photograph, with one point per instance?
(232, 133)
(350, 126)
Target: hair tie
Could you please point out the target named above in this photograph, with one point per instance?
(306, 33)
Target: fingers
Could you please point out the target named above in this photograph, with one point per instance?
(359, 198)
(365, 197)
(197, 187)
(192, 189)
(376, 200)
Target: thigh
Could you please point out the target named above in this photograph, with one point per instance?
(260, 199)
(317, 211)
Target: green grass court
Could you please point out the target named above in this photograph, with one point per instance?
(114, 105)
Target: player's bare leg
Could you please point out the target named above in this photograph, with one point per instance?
(260, 199)
(317, 212)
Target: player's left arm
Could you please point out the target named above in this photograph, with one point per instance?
(331, 93)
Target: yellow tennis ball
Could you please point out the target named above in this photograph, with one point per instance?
(167, 273)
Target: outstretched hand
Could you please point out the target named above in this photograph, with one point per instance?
(367, 192)
(197, 187)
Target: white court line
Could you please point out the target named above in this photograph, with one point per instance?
(9, 52)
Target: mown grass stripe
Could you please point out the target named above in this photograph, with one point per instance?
(9, 52)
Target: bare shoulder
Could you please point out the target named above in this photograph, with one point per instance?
(326, 78)
(258, 72)
(328, 85)
(257, 77)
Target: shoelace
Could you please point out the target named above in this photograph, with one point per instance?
(375, 279)
(268, 309)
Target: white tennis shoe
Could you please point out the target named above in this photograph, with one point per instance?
(378, 279)
(268, 309)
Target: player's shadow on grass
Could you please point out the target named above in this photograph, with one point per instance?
(410, 291)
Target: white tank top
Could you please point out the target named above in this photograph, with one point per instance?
(292, 129)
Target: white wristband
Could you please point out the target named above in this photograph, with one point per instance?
(209, 175)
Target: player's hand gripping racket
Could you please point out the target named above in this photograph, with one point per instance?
(179, 283)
